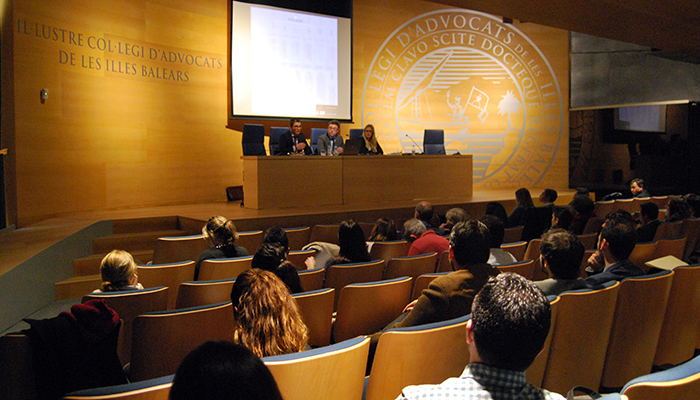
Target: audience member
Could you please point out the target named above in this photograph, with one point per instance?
(370, 145)
(562, 218)
(648, 216)
(423, 240)
(583, 209)
(452, 217)
(523, 201)
(268, 320)
(352, 249)
(383, 230)
(615, 244)
(278, 235)
(496, 232)
(497, 209)
(677, 210)
(509, 325)
(293, 141)
(637, 188)
(561, 255)
(118, 271)
(424, 212)
(693, 201)
(221, 235)
(548, 197)
(331, 142)
(271, 257)
(223, 371)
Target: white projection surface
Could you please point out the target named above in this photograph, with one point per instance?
(289, 63)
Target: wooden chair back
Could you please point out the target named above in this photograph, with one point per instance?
(584, 262)
(670, 247)
(594, 224)
(325, 233)
(201, 293)
(298, 237)
(535, 373)
(589, 240)
(660, 201)
(366, 228)
(669, 230)
(298, 257)
(388, 250)
(680, 382)
(179, 248)
(533, 253)
(626, 205)
(403, 354)
(316, 309)
(636, 328)
(331, 372)
(312, 279)
(603, 208)
(522, 268)
(679, 330)
(169, 275)
(422, 282)
(642, 253)
(690, 228)
(412, 266)
(341, 275)
(17, 371)
(580, 338)
(223, 268)
(151, 389)
(250, 240)
(366, 308)
(513, 234)
(162, 339)
(517, 249)
(444, 264)
(129, 305)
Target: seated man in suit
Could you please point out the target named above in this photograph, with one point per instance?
(331, 142)
(648, 216)
(561, 253)
(509, 325)
(547, 197)
(615, 244)
(637, 188)
(424, 212)
(293, 141)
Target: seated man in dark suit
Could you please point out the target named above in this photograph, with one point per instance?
(561, 255)
(637, 188)
(648, 216)
(293, 141)
(615, 244)
(509, 325)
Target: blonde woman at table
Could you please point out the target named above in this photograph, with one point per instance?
(370, 146)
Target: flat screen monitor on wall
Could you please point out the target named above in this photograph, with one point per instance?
(291, 62)
(650, 118)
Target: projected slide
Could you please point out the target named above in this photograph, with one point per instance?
(286, 63)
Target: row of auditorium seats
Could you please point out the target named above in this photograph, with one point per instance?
(599, 338)
(253, 139)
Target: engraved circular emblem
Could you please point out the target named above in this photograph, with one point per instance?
(483, 82)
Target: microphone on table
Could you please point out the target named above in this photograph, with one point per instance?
(414, 142)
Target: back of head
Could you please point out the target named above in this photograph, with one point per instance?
(288, 273)
(677, 210)
(510, 321)
(268, 320)
(563, 252)
(117, 270)
(582, 204)
(223, 371)
(693, 201)
(621, 237)
(523, 198)
(220, 231)
(351, 239)
(383, 230)
(425, 211)
(649, 210)
(277, 234)
(564, 215)
(620, 215)
(497, 229)
(551, 195)
(497, 209)
(470, 243)
(413, 229)
(455, 215)
(268, 257)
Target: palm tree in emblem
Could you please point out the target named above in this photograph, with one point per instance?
(509, 105)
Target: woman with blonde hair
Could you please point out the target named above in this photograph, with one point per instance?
(268, 321)
(371, 146)
(221, 235)
(118, 271)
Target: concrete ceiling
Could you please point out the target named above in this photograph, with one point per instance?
(670, 25)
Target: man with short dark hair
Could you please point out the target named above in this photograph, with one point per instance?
(637, 188)
(293, 141)
(497, 230)
(548, 197)
(331, 142)
(616, 242)
(561, 254)
(509, 325)
(424, 212)
(648, 216)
